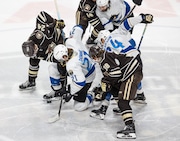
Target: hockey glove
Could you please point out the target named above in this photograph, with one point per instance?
(147, 18)
(137, 2)
(65, 93)
(105, 85)
(60, 24)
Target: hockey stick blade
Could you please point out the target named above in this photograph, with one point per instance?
(57, 117)
(54, 119)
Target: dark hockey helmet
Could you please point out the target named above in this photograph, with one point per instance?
(45, 19)
(95, 52)
(28, 48)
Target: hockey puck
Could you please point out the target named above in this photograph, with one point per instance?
(48, 101)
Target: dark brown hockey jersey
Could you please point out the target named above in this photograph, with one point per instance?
(117, 68)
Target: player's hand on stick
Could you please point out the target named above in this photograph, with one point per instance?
(146, 18)
(60, 24)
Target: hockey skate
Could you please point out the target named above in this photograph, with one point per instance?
(52, 96)
(27, 85)
(140, 98)
(99, 113)
(127, 133)
(117, 111)
(56, 95)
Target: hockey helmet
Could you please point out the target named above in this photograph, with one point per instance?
(96, 52)
(103, 5)
(102, 36)
(45, 19)
(28, 48)
(60, 52)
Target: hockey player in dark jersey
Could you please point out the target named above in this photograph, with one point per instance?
(40, 44)
(121, 72)
(85, 14)
(121, 66)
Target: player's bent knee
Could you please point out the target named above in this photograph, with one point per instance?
(81, 106)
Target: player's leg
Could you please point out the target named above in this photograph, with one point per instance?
(32, 74)
(140, 97)
(58, 80)
(82, 99)
(127, 92)
(101, 112)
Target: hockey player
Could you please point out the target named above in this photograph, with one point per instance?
(85, 14)
(40, 44)
(122, 69)
(112, 42)
(112, 12)
(80, 68)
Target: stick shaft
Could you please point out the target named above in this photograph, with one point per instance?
(142, 37)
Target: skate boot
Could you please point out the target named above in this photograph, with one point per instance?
(52, 96)
(140, 98)
(49, 95)
(128, 132)
(27, 85)
(99, 113)
(117, 111)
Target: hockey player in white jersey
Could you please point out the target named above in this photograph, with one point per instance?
(80, 68)
(112, 12)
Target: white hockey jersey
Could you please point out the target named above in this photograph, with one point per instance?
(80, 68)
(120, 41)
(114, 14)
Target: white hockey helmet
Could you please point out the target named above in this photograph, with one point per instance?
(102, 36)
(60, 51)
(103, 5)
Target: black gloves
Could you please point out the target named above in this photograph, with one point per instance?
(65, 93)
(60, 24)
(147, 18)
(137, 2)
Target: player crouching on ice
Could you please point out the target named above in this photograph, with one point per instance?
(80, 68)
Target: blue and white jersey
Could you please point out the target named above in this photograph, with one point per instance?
(119, 43)
(115, 13)
(81, 69)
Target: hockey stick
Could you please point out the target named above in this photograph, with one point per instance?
(142, 36)
(59, 17)
(130, 12)
(125, 17)
(57, 117)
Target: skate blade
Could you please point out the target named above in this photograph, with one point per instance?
(129, 136)
(28, 89)
(101, 117)
(51, 100)
(140, 101)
